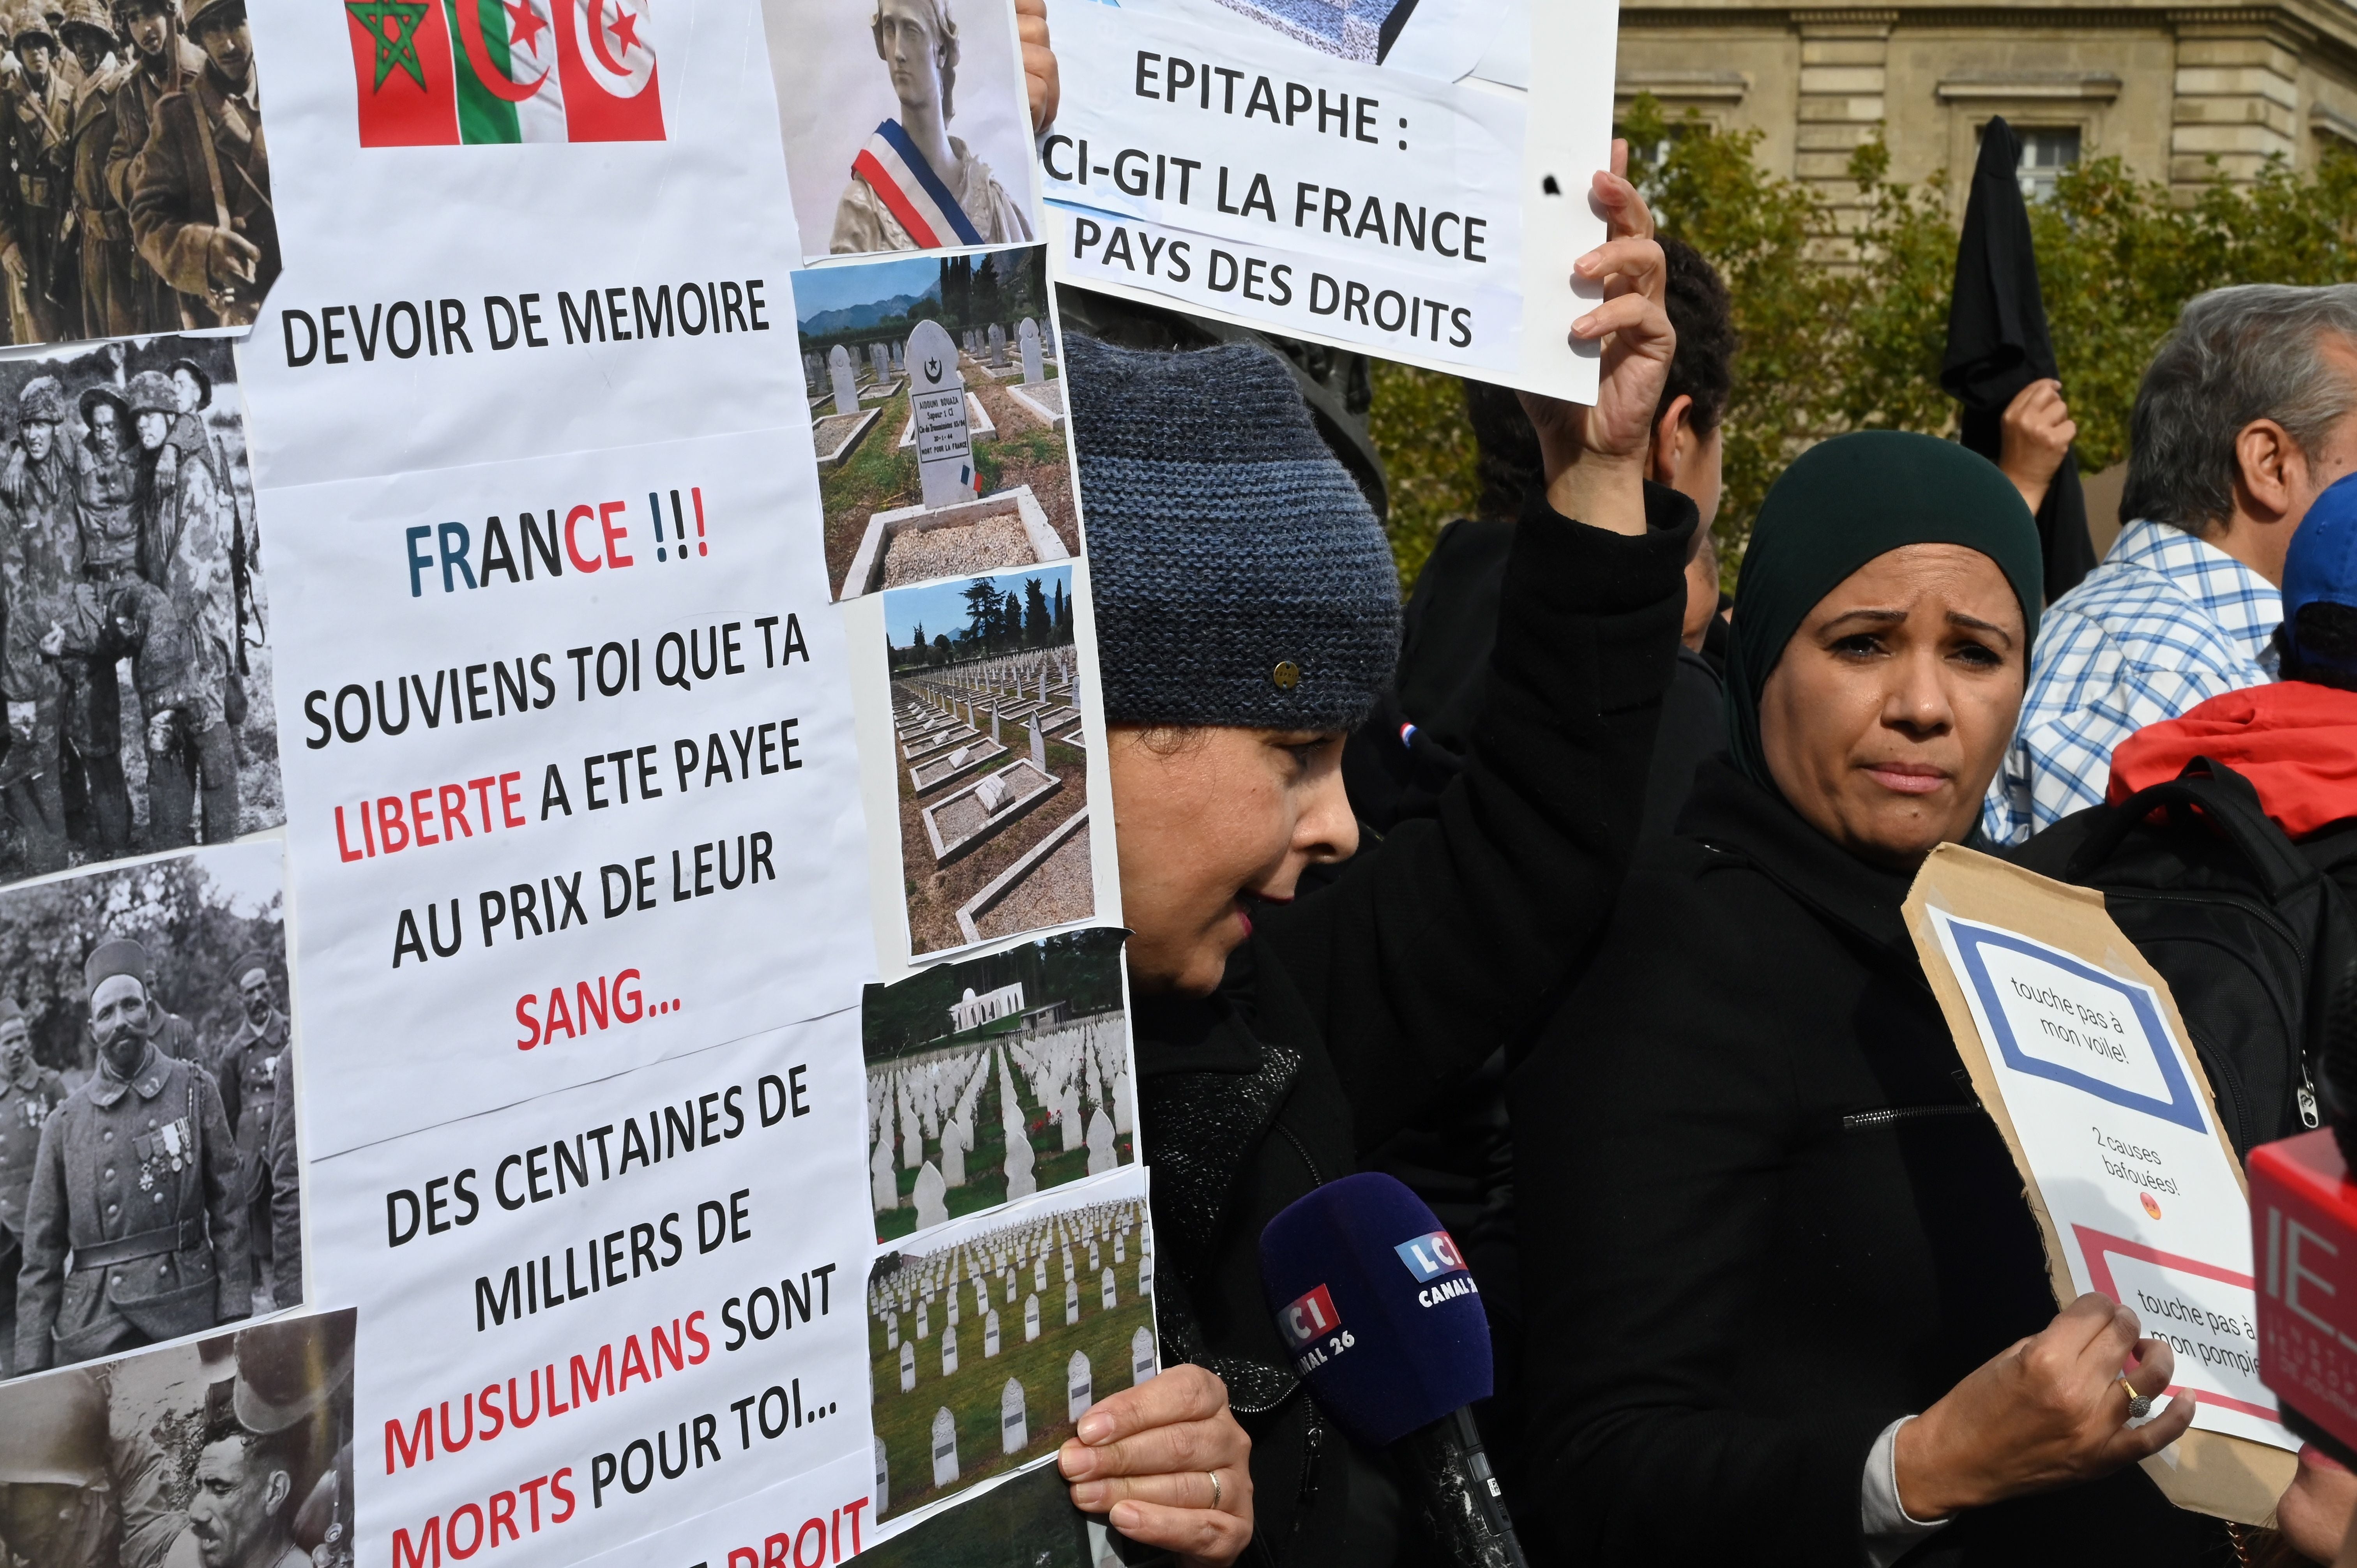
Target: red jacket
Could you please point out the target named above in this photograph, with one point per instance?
(2296, 742)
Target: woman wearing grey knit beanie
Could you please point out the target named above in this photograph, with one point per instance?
(1247, 615)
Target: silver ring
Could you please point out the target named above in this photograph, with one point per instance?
(2139, 1405)
(1216, 1492)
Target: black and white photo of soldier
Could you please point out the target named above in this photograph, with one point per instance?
(133, 624)
(229, 1451)
(135, 197)
(162, 1197)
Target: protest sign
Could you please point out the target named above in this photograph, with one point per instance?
(1250, 165)
(568, 724)
(2079, 1055)
(538, 1072)
(643, 1293)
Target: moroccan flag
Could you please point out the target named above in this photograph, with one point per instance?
(901, 178)
(401, 62)
(508, 87)
(606, 62)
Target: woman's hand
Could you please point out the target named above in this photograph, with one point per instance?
(2036, 432)
(1595, 458)
(1039, 62)
(2045, 1413)
(1147, 1456)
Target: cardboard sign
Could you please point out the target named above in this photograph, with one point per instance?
(2080, 1056)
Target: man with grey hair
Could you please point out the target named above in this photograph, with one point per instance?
(2247, 411)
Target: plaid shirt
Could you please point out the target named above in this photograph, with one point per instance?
(2168, 621)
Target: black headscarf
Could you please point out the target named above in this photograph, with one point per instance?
(1842, 503)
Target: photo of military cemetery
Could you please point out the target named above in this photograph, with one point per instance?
(994, 1078)
(991, 765)
(937, 410)
(1024, 1521)
(987, 1342)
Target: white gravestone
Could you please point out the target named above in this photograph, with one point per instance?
(1142, 1363)
(883, 1479)
(1020, 1183)
(885, 1189)
(955, 1140)
(1040, 751)
(952, 1316)
(846, 390)
(990, 1337)
(1071, 1301)
(908, 1364)
(1121, 1246)
(1145, 1275)
(1067, 1115)
(1100, 1155)
(949, 1348)
(931, 1209)
(891, 1331)
(1009, 1277)
(1079, 1393)
(1111, 1295)
(945, 1465)
(937, 403)
(997, 340)
(1013, 1429)
(1030, 1318)
(1028, 337)
(1040, 1272)
(924, 1319)
(880, 362)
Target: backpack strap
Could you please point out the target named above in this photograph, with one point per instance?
(2227, 802)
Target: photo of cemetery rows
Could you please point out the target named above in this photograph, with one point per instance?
(937, 412)
(991, 764)
(996, 1079)
(985, 1350)
(1027, 1521)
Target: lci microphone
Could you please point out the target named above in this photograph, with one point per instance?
(1385, 1324)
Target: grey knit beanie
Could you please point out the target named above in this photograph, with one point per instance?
(1237, 576)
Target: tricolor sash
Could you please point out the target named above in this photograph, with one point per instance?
(898, 173)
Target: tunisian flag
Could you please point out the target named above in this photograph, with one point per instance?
(606, 57)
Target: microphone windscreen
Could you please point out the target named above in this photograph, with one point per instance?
(1376, 1306)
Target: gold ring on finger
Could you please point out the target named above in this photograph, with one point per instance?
(2139, 1405)
(1216, 1491)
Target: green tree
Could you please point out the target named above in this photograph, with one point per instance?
(1843, 316)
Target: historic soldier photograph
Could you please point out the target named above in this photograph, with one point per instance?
(201, 191)
(133, 615)
(135, 198)
(144, 1005)
(233, 1451)
(28, 1092)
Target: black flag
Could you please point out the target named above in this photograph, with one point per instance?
(1997, 344)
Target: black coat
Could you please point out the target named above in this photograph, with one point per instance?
(1762, 1216)
(1347, 1011)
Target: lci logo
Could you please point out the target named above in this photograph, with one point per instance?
(1307, 1317)
(1429, 1257)
(465, 72)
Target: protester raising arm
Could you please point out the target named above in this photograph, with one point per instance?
(1247, 615)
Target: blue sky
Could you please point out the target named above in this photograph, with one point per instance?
(833, 288)
(942, 606)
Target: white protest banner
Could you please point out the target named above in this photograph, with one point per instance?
(594, 1315)
(1251, 170)
(2076, 1050)
(572, 729)
(617, 276)
(819, 1519)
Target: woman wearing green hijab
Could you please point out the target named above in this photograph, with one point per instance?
(1785, 1302)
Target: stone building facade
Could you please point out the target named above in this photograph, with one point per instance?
(2167, 87)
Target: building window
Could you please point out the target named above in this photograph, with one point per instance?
(2046, 152)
